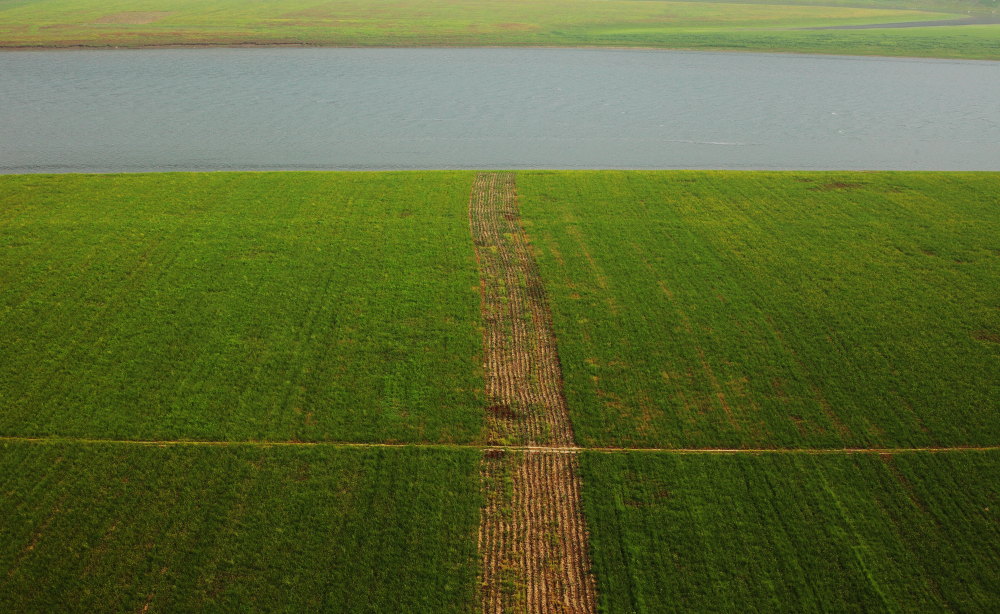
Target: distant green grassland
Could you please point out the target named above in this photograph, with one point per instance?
(752, 309)
(131, 528)
(630, 23)
(915, 532)
(237, 306)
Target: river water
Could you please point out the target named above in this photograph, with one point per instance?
(313, 108)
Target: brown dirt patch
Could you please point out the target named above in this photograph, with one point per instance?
(800, 425)
(533, 537)
(504, 412)
(133, 18)
(837, 185)
(985, 335)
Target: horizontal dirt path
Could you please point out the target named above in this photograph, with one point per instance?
(460, 446)
(532, 534)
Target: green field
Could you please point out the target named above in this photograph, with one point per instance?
(129, 528)
(238, 307)
(621, 23)
(913, 532)
(720, 309)
(692, 309)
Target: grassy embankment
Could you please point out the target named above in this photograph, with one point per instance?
(713, 309)
(692, 308)
(624, 23)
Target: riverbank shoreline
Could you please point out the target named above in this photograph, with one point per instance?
(719, 50)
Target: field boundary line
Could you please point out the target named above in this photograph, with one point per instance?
(488, 447)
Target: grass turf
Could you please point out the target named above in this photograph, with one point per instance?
(729, 309)
(285, 306)
(687, 25)
(913, 532)
(130, 528)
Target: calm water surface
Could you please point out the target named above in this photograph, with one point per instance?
(259, 109)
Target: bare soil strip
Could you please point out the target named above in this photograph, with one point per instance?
(532, 538)
(532, 535)
(523, 376)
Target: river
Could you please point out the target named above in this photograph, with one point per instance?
(324, 108)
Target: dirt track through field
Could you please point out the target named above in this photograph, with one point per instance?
(532, 534)
(523, 377)
(532, 537)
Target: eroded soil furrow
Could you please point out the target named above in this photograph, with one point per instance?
(532, 535)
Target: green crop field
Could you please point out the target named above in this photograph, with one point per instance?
(915, 532)
(692, 309)
(286, 306)
(131, 528)
(721, 309)
(625, 23)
